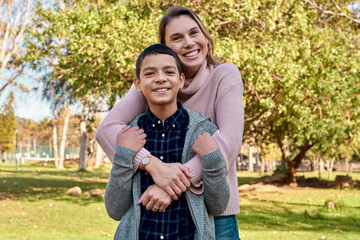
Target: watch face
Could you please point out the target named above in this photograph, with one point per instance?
(145, 160)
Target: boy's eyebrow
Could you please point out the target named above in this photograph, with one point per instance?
(176, 34)
(154, 68)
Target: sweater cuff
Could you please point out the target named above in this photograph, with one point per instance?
(138, 157)
(213, 160)
(194, 165)
(123, 153)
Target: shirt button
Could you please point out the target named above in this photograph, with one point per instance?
(161, 237)
(161, 157)
(163, 135)
(153, 125)
(159, 122)
(173, 125)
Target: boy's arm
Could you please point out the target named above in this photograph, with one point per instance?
(118, 194)
(216, 187)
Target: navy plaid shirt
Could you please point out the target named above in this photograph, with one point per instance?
(166, 143)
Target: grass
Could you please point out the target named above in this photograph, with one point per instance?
(281, 214)
(34, 205)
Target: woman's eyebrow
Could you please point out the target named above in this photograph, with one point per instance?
(177, 34)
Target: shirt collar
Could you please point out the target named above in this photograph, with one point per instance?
(176, 121)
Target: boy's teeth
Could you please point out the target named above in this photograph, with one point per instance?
(191, 54)
(161, 90)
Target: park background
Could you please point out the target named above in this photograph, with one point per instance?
(299, 60)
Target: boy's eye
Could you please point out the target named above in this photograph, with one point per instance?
(170, 72)
(148, 73)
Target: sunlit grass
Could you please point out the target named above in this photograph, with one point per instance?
(34, 206)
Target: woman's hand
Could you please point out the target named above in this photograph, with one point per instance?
(171, 177)
(155, 199)
(204, 144)
(133, 138)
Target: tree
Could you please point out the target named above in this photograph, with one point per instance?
(299, 60)
(15, 17)
(8, 126)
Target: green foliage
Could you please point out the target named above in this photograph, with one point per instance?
(8, 125)
(299, 61)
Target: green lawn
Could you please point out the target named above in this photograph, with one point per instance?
(34, 206)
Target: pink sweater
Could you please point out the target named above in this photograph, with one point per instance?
(215, 92)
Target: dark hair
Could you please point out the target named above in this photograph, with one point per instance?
(179, 11)
(154, 50)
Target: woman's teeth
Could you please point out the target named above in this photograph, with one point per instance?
(191, 54)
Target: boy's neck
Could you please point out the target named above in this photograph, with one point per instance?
(163, 111)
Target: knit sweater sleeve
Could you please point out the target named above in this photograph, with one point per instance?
(118, 194)
(229, 110)
(120, 115)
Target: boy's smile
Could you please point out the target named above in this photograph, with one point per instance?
(160, 82)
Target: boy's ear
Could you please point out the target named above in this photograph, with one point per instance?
(182, 80)
(137, 84)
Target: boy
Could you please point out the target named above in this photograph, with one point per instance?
(170, 131)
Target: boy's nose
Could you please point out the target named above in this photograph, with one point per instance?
(161, 77)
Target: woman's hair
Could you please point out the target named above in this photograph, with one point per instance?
(178, 11)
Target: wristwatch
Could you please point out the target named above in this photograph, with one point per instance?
(146, 160)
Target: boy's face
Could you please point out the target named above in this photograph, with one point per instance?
(159, 80)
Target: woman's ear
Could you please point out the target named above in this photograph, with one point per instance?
(137, 85)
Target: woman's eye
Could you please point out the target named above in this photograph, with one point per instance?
(194, 32)
(176, 38)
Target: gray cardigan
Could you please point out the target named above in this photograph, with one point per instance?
(123, 190)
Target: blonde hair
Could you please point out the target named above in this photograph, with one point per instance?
(178, 11)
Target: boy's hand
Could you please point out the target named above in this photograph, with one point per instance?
(133, 138)
(204, 144)
(171, 177)
(155, 199)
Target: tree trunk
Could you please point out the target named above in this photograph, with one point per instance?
(83, 139)
(99, 151)
(295, 163)
(290, 176)
(55, 146)
(99, 154)
(63, 138)
(34, 147)
(330, 166)
(251, 158)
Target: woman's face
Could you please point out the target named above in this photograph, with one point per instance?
(185, 38)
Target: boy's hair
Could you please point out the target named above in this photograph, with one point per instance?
(154, 50)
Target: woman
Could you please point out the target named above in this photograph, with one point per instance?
(211, 87)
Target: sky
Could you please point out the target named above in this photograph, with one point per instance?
(28, 105)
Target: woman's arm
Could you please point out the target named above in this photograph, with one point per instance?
(120, 115)
(229, 109)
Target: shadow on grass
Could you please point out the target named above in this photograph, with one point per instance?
(246, 180)
(280, 217)
(34, 183)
